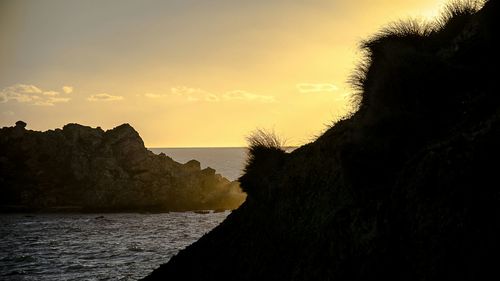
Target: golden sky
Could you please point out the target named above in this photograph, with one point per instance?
(187, 73)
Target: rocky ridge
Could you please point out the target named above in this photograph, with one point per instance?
(79, 168)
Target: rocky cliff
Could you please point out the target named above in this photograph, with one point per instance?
(404, 189)
(79, 168)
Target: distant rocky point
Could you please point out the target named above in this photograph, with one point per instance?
(79, 168)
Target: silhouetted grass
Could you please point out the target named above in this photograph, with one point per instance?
(397, 45)
(261, 138)
(407, 30)
(266, 150)
(457, 9)
(357, 80)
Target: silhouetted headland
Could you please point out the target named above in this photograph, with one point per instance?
(406, 188)
(79, 168)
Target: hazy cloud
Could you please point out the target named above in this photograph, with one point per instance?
(51, 101)
(59, 99)
(316, 87)
(247, 96)
(182, 90)
(104, 97)
(51, 93)
(67, 89)
(30, 94)
(153, 96)
(211, 97)
(194, 94)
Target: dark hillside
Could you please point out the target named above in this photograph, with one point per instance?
(405, 189)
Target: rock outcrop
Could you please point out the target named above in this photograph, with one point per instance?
(404, 189)
(79, 168)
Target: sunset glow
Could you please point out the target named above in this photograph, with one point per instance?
(187, 73)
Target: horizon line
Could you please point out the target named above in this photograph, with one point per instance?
(157, 147)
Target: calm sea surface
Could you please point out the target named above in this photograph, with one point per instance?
(108, 246)
(95, 246)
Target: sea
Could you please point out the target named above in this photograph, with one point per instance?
(122, 246)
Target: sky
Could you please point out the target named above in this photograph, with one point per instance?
(188, 73)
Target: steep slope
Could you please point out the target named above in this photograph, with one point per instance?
(404, 189)
(80, 168)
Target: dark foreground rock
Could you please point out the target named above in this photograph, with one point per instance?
(79, 168)
(407, 188)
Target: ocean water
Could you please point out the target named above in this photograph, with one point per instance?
(108, 246)
(95, 246)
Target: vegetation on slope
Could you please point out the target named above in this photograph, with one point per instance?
(404, 189)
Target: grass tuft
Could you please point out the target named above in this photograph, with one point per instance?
(417, 34)
(262, 138)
